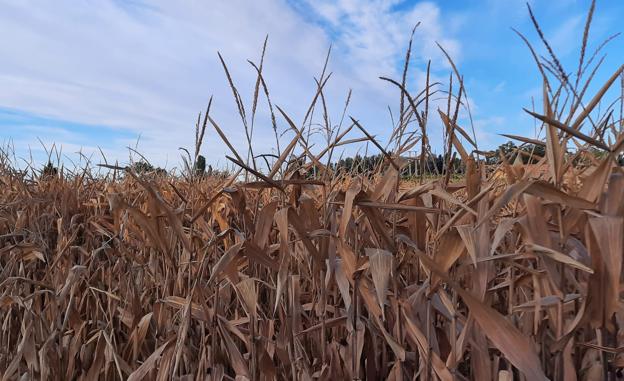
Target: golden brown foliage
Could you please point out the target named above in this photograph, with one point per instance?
(514, 272)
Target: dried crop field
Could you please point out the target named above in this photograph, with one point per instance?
(305, 271)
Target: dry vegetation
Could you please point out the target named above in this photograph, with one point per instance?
(305, 273)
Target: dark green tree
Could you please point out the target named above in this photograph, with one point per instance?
(200, 165)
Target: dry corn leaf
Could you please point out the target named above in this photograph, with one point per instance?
(609, 233)
(381, 264)
(149, 364)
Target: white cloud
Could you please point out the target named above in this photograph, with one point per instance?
(372, 38)
(499, 87)
(374, 34)
(150, 69)
(484, 129)
(565, 38)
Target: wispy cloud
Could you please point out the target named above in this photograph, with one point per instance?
(146, 68)
(374, 34)
(564, 38)
(149, 68)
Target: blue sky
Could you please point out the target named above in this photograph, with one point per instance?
(113, 74)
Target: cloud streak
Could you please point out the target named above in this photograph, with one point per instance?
(146, 68)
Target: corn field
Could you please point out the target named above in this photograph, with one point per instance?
(303, 272)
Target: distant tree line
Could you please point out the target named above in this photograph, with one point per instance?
(434, 165)
(529, 153)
